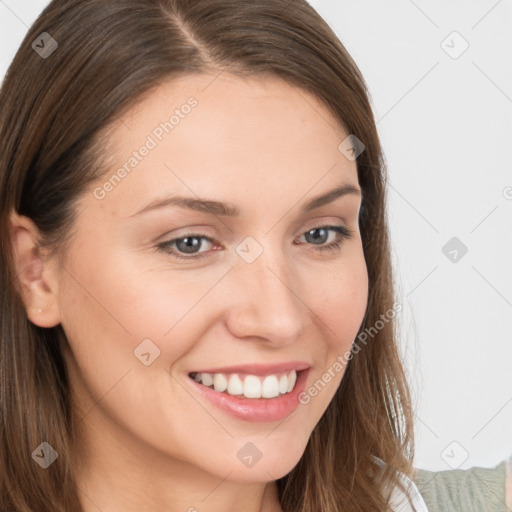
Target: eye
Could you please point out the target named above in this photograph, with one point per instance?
(189, 243)
(320, 233)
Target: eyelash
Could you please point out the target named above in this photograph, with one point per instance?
(343, 234)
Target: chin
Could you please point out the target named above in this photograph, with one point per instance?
(272, 464)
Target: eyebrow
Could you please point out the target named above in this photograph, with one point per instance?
(230, 210)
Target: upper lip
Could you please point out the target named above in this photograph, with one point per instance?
(258, 368)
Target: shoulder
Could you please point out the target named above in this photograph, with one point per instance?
(406, 497)
(508, 489)
(473, 489)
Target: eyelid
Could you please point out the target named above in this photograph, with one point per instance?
(200, 231)
(343, 233)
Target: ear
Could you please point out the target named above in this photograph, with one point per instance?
(35, 274)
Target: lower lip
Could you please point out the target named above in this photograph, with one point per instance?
(256, 409)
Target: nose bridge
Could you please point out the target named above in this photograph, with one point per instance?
(267, 304)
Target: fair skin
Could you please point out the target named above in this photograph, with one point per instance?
(149, 440)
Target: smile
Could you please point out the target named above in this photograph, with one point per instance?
(248, 386)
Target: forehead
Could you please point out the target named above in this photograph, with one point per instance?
(205, 134)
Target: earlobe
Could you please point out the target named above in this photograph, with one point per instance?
(36, 279)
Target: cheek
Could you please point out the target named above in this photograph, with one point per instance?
(341, 304)
(114, 314)
(341, 301)
(119, 303)
(154, 301)
(112, 320)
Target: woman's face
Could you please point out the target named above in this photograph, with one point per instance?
(155, 289)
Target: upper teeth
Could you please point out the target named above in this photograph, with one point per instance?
(250, 386)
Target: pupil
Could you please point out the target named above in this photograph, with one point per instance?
(318, 230)
(188, 245)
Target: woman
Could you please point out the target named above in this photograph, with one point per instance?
(195, 250)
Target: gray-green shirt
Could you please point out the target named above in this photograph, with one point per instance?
(470, 490)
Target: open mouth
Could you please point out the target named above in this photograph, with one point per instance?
(249, 386)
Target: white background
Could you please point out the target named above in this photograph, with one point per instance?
(446, 128)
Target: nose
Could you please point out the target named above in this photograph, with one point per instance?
(266, 303)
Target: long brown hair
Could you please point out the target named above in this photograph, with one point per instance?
(54, 115)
